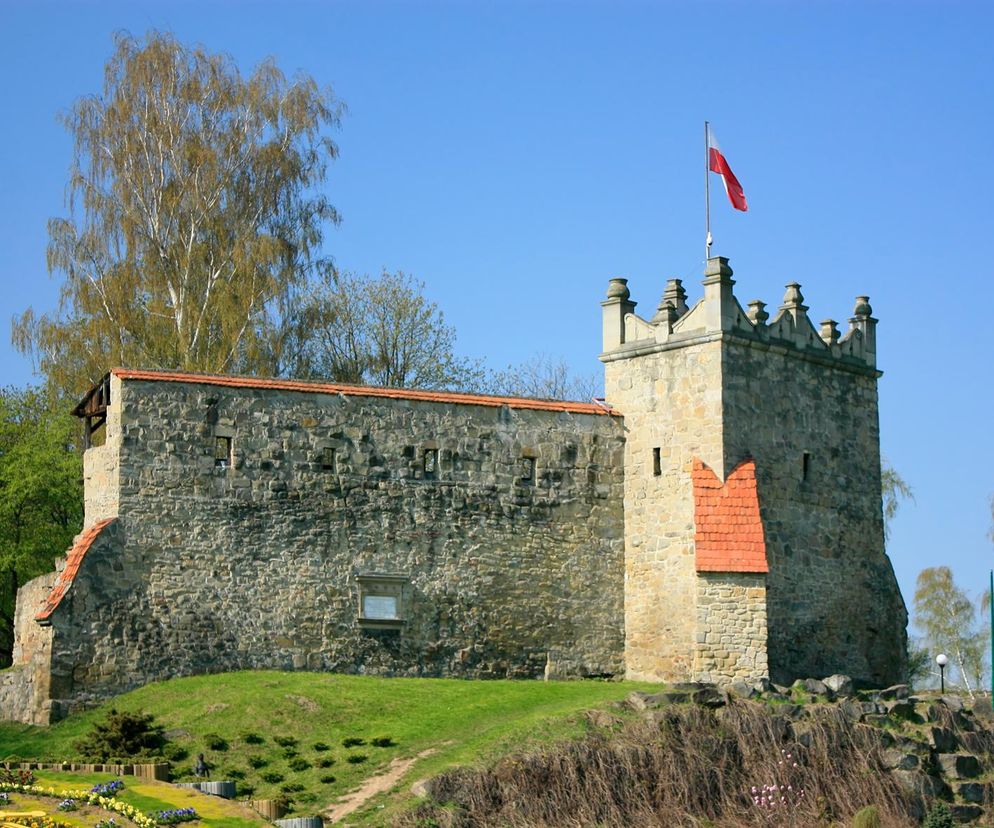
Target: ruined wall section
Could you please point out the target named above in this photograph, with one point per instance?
(812, 426)
(508, 554)
(24, 686)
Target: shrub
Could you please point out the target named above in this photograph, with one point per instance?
(383, 741)
(320, 747)
(356, 758)
(244, 789)
(327, 779)
(122, 734)
(17, 777)
(352, 741)
(326, 761)
(215, 742)
(179, 773)
(234, 773)
(298, 764)
(868, 817)
(272, 777)
(938, 816)
(289, 753)
(291, 787)
(285, 741)
(174, 752)
(257, 761)
(252, 738)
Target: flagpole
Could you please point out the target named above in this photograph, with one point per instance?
(707, 197)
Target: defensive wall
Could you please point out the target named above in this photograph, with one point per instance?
(719, 518)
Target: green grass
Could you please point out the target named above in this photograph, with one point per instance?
(465, 722)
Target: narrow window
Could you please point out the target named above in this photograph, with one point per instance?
(222, 452)
(431, 461)
(657, 467)
(527, 471)
(328, 458)
(805, 465)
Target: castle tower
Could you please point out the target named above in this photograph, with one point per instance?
(753, 524)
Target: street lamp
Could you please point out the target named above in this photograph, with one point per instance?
(942, 661)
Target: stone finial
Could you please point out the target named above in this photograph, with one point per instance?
(717, 269)
(792, 299)
(757, 312)
(676, 296)
(617, 288)
(862, 309)
(829, 331)
(666, 314)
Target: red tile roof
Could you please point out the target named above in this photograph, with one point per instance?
(79, 549)
(729, 533)
(365, 391)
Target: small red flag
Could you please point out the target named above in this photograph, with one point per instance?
(718, 164)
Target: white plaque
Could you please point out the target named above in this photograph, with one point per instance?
(379, 607)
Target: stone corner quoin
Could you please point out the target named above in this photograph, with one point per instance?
(716, 518)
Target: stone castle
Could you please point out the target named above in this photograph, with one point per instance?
(718, 517)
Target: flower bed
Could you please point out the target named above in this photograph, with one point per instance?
(91, 797)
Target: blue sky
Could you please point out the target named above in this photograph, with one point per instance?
(516, 155)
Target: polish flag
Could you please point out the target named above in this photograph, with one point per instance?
(718, 164)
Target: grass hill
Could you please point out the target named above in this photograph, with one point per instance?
(313, 736)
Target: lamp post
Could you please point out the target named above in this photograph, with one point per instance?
(942, 661)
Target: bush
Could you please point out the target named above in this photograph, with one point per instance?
(320, 747)
(244, 789)
(291, 787)
(252, 739)
(868, 817)
(215, 742)
(352, 741)
(383, 741)
(356, 758)
(257, 761)
(938, 816)
(123, 734)
(174, 752)
(234, 773)
(326, 761)
(289, 753)
(272, 777)
(285, 741)
(327, 779)
(298, 764)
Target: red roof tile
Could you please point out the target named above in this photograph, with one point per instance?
(365, 391)
(729, 532)
(73, 560)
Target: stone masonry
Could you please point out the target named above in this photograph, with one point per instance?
(718, 519)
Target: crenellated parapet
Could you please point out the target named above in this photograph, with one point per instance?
(718, 314)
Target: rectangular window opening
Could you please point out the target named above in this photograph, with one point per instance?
(328, 459)
(527, 471)
(222, 452)
(430, 461)
(657, 466)
(805, 465)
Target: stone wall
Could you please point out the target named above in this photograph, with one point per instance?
(731, 637)
(509, 548)
(24, 687)
(833, 601)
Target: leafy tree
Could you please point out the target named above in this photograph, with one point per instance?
(194, 216)
(41, 504)
(895, 489)
(948, 620)
(380, 331)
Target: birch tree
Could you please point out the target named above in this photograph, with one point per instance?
(194, 213)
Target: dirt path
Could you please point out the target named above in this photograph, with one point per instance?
(378, 784)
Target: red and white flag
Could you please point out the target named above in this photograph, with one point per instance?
(718, 164)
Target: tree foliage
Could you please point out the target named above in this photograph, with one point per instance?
(544, 377)
(194, 216)
(123, 735)
(41, 504)
(948, 620)
(895, 490)
(379, 331)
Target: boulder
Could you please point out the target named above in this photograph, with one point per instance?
(901, 710)
(709, 697)
(942, 740)
(919, 783)
(895, 759)
(958, 765)
(896, 691)
(977, 792)
(741, 690)
(816, 688)
(966, 813)
(840, 685)
(954, 703)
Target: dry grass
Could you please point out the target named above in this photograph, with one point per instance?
(697, 767)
